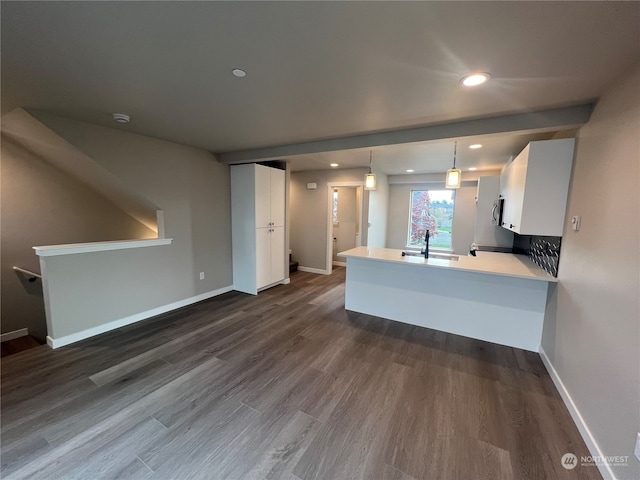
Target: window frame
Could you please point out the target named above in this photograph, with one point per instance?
(408, 235)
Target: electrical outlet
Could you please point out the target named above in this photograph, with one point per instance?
(201, 275)
(637, 450)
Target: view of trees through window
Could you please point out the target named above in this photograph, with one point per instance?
(431, 210)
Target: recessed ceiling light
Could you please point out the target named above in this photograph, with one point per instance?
(333, 165)
(475, 79)
(121, 118)
(410, 170)
(475, 146)
(238, 72)
(472, 169)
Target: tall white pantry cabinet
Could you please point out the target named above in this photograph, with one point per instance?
(257, 226)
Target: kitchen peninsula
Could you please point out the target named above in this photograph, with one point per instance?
(496, 297)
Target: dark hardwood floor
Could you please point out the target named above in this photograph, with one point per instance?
(285, 385)
(17, 345)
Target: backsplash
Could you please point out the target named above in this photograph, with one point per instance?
(543, 251)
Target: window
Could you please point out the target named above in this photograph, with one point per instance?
(335, 206)
(431, 210)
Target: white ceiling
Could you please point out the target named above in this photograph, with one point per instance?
(315, 70)
(424, 157)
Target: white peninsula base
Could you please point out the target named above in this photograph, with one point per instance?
(500, 308)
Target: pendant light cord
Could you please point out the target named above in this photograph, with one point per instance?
(455, 149)
(370, 157)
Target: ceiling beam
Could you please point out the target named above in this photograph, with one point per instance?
(560, 118)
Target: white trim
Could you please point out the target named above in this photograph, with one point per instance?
(329, 233)
(5, 337)
(284, 281)
(314, 270)
(72, 248)
(354, 183)
(413, 248)
(587, 436)
(160, 223)
(339, 264)
(106, 327)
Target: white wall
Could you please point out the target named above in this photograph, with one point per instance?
(190, 186)
(378, 212)
(464, 217)
(42, 205)
(464, 214)
(591, 333)
(309, 213)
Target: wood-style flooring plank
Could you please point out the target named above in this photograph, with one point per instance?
(115, 458)
(283, 385)
(277, 459)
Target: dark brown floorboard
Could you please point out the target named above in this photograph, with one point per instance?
(283, 385)
(18, 345)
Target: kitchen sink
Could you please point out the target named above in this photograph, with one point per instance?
(439, 256)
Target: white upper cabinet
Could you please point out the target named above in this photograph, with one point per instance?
(535, 187)
(263, 196)
(277, 203)
(270, 196)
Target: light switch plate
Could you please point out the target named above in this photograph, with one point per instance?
(201, 275)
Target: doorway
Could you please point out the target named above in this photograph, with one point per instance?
(345, 220)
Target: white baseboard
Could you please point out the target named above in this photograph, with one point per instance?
(106, 327)
(286, 281)
(339, 264)
(313, 270)
(587, 436)
(5, 337)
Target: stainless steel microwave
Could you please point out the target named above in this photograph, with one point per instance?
(496, 211)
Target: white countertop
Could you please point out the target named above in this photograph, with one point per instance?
(492, 263)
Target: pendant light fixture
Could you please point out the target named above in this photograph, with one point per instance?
(370, 178)
(454, 175)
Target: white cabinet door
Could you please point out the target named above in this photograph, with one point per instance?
(263, 257)
(506, 195)
(545, 197)
(277, 254)
(277, 197)
(517, 179)
(263, 196)
(535, 187)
